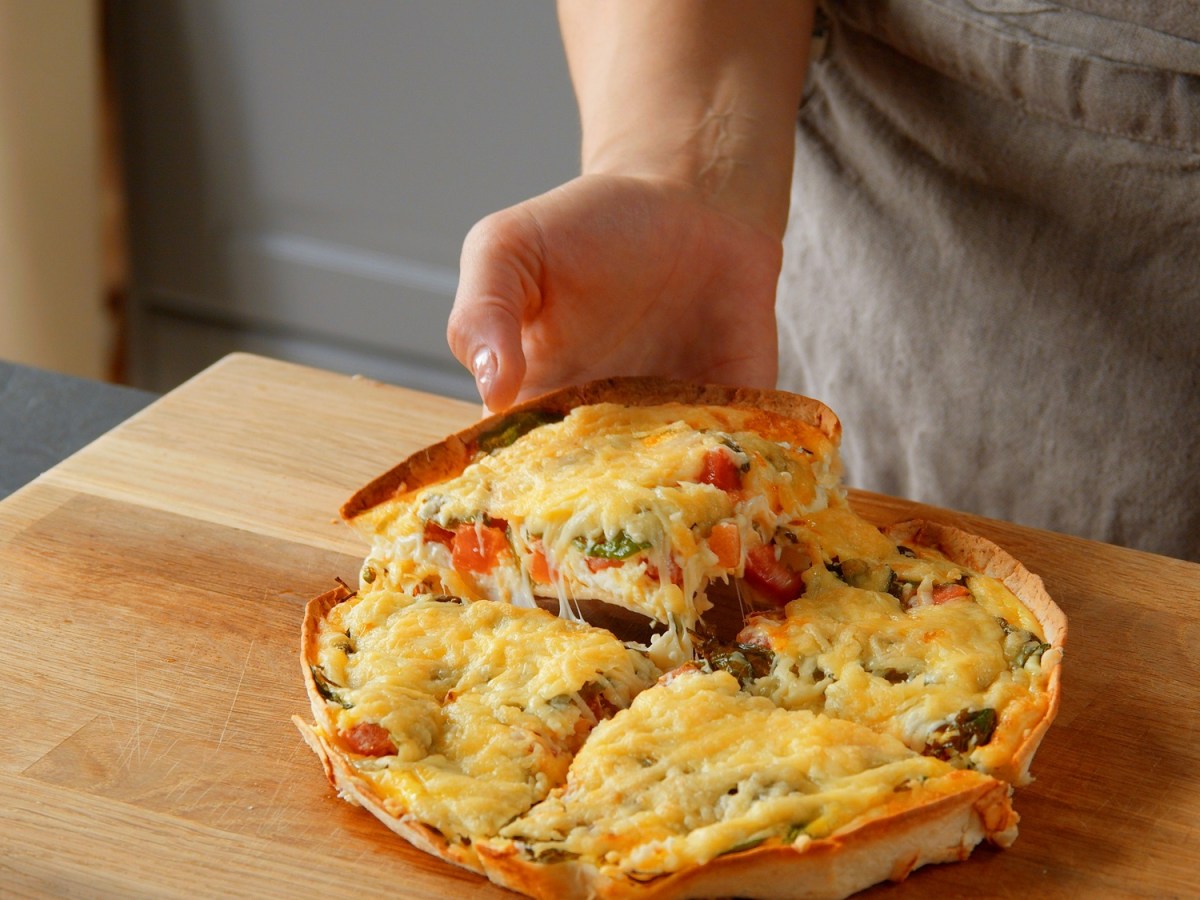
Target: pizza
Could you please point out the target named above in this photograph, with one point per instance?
(630, 639)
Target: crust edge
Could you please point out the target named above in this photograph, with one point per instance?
(450, 455)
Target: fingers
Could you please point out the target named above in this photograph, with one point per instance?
(497, 289)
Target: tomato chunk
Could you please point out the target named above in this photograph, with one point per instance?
(436, 534)
(721, 471)
(946, 592)
(539, 566)
(477, 547)
(772, 577)
(725, 541)
(368, 739)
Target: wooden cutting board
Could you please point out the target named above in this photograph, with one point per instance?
(152, 588)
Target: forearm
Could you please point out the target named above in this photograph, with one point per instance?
(699, 91)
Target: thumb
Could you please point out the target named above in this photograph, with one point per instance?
(495, 289)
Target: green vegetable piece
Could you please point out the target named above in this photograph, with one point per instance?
(328, 689)
(515, 426)
(619, 546)
(868, 576)
(1029, 650)
(971, 728)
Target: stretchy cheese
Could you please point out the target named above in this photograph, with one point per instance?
(615, 503)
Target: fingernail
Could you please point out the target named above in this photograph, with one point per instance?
(483, 367)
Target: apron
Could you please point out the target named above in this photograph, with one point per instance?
(992, 265)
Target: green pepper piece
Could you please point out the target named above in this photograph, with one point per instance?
(619, 546)
(327, 688)
(515, 426)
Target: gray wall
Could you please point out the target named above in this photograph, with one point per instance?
(301, 172)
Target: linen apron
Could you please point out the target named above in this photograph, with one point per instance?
(992, 266)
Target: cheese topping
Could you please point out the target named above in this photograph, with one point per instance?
(611, 503)
(939, 657)
(696, 768)
(484, 703)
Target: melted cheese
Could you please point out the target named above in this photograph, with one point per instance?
(907, 670)
(484, 702)
(609, 473)
(695, 768)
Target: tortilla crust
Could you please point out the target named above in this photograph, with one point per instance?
(349, 785)
(773, 410)
(886, 846)
(981, 555)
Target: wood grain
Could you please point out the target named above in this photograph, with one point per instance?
(153, 586)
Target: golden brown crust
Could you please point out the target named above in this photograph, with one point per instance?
(888, 846)
(341, 775)
(981, 555)
(772, 409)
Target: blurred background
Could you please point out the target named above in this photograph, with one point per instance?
(180, 179)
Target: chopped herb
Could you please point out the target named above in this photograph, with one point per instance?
(515, 426)
(795, 831)
(620, 546)
(1029, 650)
(867, 576)
(745, 662)
(971, 728)
(328, 689)
(552, 855)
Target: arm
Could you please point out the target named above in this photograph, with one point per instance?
(661, 258)
(704, 93)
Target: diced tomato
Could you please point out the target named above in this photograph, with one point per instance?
(772, 577)
(601, 707)
(539, 567)
(436, 534)
(368, 739)
(726, 542)
(596, 563)
(477, 547)
(721, 471)
(946, 592)
(673, 570)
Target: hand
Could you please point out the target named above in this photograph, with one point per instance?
(614, 275)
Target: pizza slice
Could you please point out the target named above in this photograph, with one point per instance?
(906, 632)
(447, 719)
(699, 789)
(635, 492)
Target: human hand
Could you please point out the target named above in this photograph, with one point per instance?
(614, 275)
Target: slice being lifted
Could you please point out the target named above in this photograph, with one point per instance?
(641, 500)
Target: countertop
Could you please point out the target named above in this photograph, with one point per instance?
(45, 417)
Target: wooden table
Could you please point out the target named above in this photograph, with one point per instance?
(152, 587)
